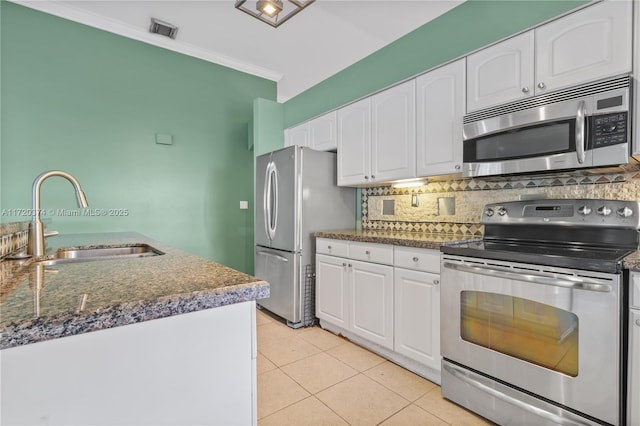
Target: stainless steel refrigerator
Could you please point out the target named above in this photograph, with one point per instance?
(296, 195)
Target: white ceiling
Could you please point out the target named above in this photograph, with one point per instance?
(321, 40)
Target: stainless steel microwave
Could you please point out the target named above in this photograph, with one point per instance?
(581, 127)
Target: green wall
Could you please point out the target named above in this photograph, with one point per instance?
(463, 29)
(91, 103)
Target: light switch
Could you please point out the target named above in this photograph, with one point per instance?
(244, 205)
(164, 139)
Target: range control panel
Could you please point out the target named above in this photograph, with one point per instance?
(583, 212)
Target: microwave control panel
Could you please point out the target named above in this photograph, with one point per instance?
(608, 129)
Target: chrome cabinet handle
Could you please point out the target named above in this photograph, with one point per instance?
(580, 131)
(525, 90)
(577, 284)
(350, 266)
(373, 177)
(415, 258)
(457, 167)
(328, 247)
(541, 85)
(436, 282)
(344, 264)
(638, 322)
(367, 252)
(366, 177)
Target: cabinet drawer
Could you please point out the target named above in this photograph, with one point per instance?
(376, 253)
(418, 259)
(332, 247)
(634, 296)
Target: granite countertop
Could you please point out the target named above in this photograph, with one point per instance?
(40, 302)
(398, 238)
(632, 262)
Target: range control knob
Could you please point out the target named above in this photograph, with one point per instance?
(584, 210)
(625, 212)
(488, 212)
(604, 211)
(502, 211)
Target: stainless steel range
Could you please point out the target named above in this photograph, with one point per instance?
(533, 328)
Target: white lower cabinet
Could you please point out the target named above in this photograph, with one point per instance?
(633, 373)
(417, 316)
(383, 297)
(372, 302)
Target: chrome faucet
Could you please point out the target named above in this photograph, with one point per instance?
(35, 246)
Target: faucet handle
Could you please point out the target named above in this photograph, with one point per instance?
(51, 234)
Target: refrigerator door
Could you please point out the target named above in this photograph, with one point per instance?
(282, 270)
(276, 199)
(281, 199)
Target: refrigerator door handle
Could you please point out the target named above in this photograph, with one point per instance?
(271, 216)
(268, 194)
(276, 256)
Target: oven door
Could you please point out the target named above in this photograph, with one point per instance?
(553, 332)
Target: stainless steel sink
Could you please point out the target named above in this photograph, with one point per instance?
(88, 254)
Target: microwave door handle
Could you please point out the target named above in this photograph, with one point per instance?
(581, 131)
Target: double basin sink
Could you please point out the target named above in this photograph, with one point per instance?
(89, 254)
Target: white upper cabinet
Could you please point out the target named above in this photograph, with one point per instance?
(587, 45)
(636, 84)
(354, 143)
(319, 133)
(440, 109)
(590, 44)
(377, 137)
(393, 136)
(501, 73)
(298, 135)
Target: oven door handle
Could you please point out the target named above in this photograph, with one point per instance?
(577, 284)
(463, 376)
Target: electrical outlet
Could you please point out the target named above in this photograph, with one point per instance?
(244, 205)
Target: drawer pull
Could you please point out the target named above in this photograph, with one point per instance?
(367, 252)
(415, 258)
(436, 282)
(329, 247)
(344, 264)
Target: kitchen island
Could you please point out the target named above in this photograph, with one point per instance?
(165, 339)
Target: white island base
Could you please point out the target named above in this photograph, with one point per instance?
(190, 369)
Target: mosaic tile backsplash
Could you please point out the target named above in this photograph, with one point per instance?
(455, 206)
(13, 237)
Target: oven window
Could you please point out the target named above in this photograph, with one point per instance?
(521, 328)
(525, 142)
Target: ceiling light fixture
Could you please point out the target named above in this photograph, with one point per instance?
(273, 12)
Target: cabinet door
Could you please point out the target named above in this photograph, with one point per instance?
(636, 83)
(393, 134)
(417, 316)
(440, 109)
(332, 290)
(590, 44)
(298, 135)
(322, 132)
(501, 73)
(354, 143)
(371, 306)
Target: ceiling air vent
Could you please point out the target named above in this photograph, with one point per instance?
(163, 28)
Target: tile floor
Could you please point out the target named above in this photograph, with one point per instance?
(310, 376)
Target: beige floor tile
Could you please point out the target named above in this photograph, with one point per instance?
(434, 403)
(413, 416)
(285, 351)
(262, 317)
(308, 412)
(408, 385)
(362, 401)
(356, 356)
(273, 331)
(318, 372)
(322, 338)
(276, 391)
(264, 364)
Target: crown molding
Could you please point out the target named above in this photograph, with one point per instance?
(65, 11)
